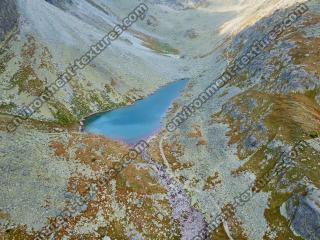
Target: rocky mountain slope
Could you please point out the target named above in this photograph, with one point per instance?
(56, 181)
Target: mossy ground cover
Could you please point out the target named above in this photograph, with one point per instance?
(27, 81)
(307, 52)
(158, 46)
(82, 103)
(63, 116)
(289, 118)
(132, 192)
(7, 107)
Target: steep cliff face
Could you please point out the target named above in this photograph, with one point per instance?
(8, 17)
(52, 34)
(218, 160)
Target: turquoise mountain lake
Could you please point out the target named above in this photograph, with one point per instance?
(138, 121)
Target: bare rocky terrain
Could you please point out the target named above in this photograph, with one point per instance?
(56, 181)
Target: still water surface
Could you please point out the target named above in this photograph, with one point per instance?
(138, 121)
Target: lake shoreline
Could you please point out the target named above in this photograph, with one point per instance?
(139, 120)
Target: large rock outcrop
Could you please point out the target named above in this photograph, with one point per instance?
(304, 214)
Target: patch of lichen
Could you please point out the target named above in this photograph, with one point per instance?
(304, 117)
(109, 88)
(61, 113)
(2, 68)
(157, 46)
(83, 104)
(289, 118)
(218, 234)
(95, 152)
(19, 233)
(197, 134)
(237, 114)
(144, 218)
(91, 236)
(256, 164)
(242, 77)
(303, 121)
(97, 100)
(234, 226)
(104, 103)
(307, 165)
(145, 184)
(278, 66)
(132, 184)
(151, 216)
(116, 230)
(29, 48)
(172, 152)
(46, 60)
(3, 50)
(80, 106)
(79, 185)
(133, 179)
(272, 110)
(147, 220)
(307, 53)
(212, 181)
(240, 80)
(21, 76)
(278, 187)
(27, 81)
(7, 107)
(35, 86)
